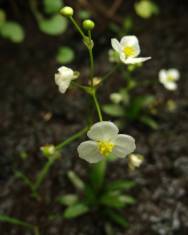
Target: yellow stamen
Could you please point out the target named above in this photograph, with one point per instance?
(105, 147)
(170, 78)
(129, 51)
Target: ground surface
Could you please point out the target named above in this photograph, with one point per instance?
(33, 113)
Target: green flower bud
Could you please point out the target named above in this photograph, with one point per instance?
(88, 24)
(48, 150)
(67, 11)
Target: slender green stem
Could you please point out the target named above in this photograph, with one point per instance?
(79, 85)
(90, 48)
(77, 26)
(97, 106)
(71, 138)
(35, 11)
(36, 230)
(42, 174)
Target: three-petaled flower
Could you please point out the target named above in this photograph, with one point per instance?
(128, 49)
(169, 78)
(105, 140)
(64, 77)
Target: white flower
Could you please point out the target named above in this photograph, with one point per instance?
(64, 77)
(128, 49)
(134, 161)
(116, 98)
(169, 78)
(105, 140)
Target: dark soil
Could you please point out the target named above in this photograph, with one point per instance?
(34, 113)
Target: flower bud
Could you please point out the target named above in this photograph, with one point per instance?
(67, 11)
(135, 160)
(88, 24)
(48, 150)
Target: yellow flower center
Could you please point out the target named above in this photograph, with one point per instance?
(129, 51)
(170, 78)
(105, 147)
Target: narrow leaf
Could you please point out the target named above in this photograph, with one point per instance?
(68, 200)
(12, 220)
(75, 211)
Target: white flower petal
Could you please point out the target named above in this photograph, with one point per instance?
(124, 145)
(136, 60)
(63, 86)
(131, 41)
(57, 78)
(162, 75)
(170, 86)
(116, 45)
(103, 131)
(174, 73)
(123, 58)
(88, 151)
(66, 72)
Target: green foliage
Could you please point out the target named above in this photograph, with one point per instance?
(97, 175)
(120, 185)
(96, 193)
(54, 26)
(68, 199)
(76, 181)
(2, 17)
(12, 31)
(146, 8)
(65, 55)
(115, 199)
(114, 110)
(15, 221)
(117, 218)
(75, 210)
(131, 107)
(84, 14)
(52, 6)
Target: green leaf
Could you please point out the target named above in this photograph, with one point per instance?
(150, 122)
(148, 100)
(12, 220)
(68, 200)
(2, 17)
(90, 196)
(117, 218)
(128, 24)
(75, 211)
(120, 185)
(97, 174)
(113, 110)
(116, 200)
(76, 181)
(52, 6)
(54, 26)
(12, 31)
(146, 9)
(65, 55)
(84, 14)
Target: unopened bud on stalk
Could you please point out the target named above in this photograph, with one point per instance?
(67, 11)
(135, 160)
(88, 24)
(48, 150)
